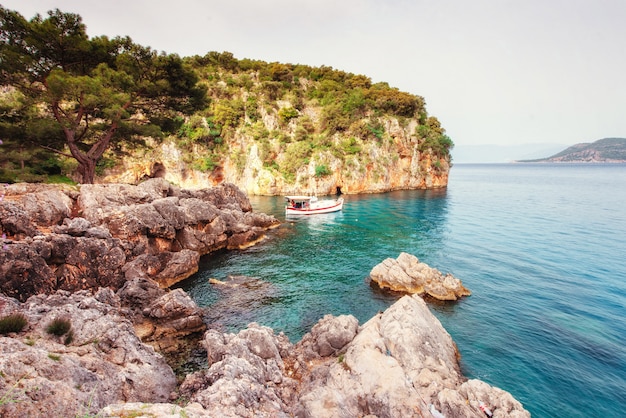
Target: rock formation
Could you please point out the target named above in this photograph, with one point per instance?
(153, 230)
(398, 364)
(393, 164)
(99, 360)
(407, 274)
(128, 244)
(401, 363)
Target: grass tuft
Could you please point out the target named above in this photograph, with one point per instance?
(59, 326)
(12, 323)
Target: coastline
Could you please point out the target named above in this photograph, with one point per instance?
(161, 317)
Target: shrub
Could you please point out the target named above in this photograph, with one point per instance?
(58, 326)
(350, 146)
(229, 112)
(296, 156)
(322, 170)
(287, 113)
(12, 323)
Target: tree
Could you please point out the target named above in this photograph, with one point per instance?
(98, 90)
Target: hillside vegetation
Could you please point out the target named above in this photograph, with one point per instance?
(270, 128)
(602, 150)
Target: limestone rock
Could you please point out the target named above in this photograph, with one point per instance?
(399, 363)
(162, 318)
(161, 410)
(28, 209)
(97, 362)
(246, 375)
(408, 275)
(329, 336)
(153, 229)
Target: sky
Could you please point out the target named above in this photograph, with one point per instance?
(507, 73)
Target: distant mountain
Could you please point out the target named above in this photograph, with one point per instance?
(607, 150)
(481, 154)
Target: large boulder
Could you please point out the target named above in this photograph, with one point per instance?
(246, 375)
(407, 274)
(49, 262)
(31, 208)
(98, 361)
(161, 318)
(400, 363)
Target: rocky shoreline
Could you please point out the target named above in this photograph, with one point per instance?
(101, 260)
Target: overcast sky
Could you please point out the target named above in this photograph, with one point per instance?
(493, 71)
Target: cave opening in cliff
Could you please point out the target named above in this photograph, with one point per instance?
(338, 191)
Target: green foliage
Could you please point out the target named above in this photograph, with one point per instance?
(432, 137)
(350, 146)
(334, 118)
(55, 357)
(105, 163)
(12, 323)
(69, 337)
(108, 92)
(58, 326)
(252, 108)
(322, 170)
(207, 164)
(229, 112)
(287, 113)
(296, 156)
(377, 129)
(93, 88)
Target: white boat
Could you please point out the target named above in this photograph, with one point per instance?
(309, 205)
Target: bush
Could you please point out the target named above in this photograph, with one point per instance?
(58, 326)
(322, 170)
(287, 113)
(12, 323)
(296, 156)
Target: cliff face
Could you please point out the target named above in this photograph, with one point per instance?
(393, 163)
(275, 129)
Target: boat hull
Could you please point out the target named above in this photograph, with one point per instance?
(322, 207)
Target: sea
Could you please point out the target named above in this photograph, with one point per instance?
(542, 247)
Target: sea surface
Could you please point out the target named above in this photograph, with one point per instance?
(541, 246)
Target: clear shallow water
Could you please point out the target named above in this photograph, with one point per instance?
(542, 247)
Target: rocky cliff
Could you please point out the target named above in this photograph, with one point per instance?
(393, 165)
(58, 237)
(275, 129)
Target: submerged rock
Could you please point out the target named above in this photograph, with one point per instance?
(407, 274)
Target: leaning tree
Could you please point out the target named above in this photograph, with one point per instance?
(98, 90)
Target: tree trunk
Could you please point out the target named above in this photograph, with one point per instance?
(87, 169)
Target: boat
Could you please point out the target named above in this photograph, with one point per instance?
(309, 205)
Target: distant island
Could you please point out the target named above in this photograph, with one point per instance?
(607, 150)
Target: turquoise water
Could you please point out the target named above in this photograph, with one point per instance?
(542, 247)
